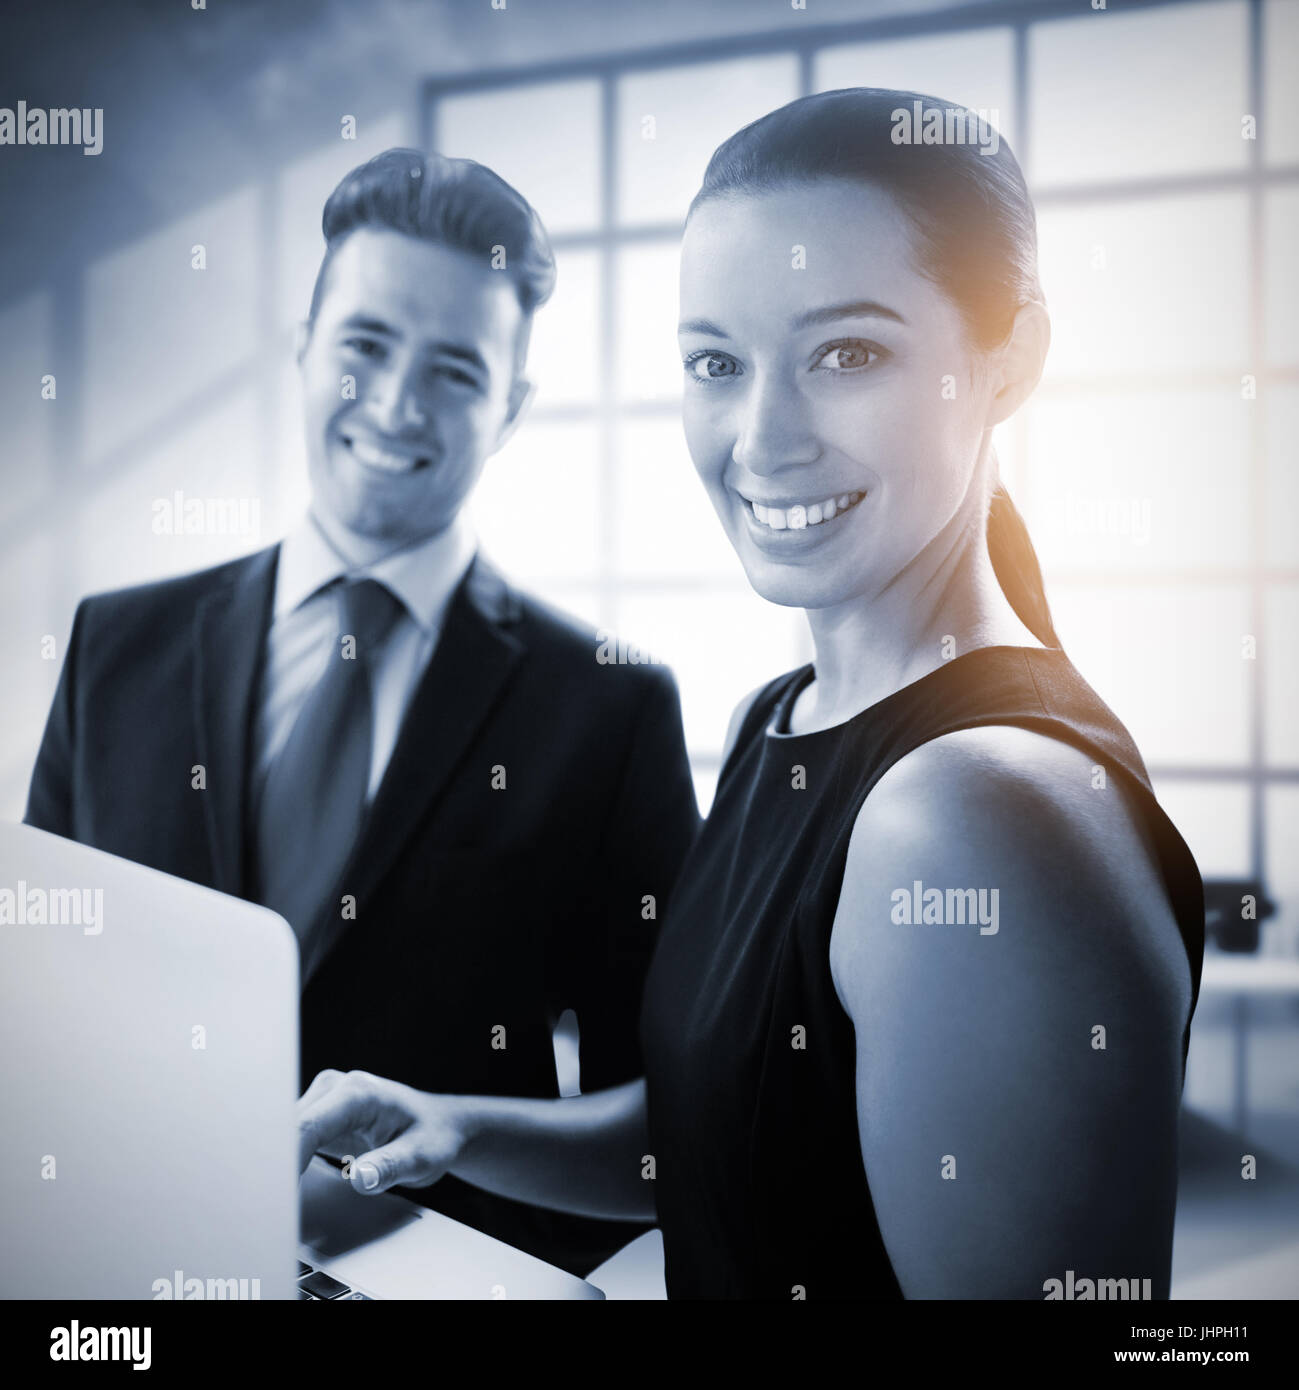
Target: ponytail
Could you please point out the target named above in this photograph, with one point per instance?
(1016, 566)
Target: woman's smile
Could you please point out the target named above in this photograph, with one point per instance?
(781, 526)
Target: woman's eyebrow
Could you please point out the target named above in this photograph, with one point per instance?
(704, 326)
(829, 313)
(861, 308)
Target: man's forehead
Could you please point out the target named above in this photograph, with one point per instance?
(416, 281)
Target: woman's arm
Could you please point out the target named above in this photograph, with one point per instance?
(1018, 1075)
(582, 1154)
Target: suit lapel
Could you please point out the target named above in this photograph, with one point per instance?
(472, 663)
(229, 629)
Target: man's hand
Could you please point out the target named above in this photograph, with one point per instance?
(400, 1136)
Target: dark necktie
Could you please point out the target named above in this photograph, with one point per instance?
(313, 801)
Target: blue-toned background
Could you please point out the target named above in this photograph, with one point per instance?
(1156, 465)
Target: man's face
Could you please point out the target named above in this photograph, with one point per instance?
(428, 334)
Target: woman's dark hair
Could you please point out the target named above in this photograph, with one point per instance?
(975, 228)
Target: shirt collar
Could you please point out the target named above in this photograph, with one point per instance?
(423, 576)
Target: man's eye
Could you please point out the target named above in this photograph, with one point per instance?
(366, 347)
(705, 366)
(846, 356)
(456, 374)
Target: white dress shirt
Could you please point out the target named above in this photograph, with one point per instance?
(305, 623)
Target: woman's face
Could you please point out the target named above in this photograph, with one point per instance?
(832, 406)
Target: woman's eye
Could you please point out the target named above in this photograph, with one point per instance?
(708, 366)
(846, 356)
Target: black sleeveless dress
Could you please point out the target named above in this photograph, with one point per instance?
(758, 1167)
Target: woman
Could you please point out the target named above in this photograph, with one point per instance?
(917, 1022)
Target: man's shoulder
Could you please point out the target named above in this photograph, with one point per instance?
(582, 651)
(177, 594)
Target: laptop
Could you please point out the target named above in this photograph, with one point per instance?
(148, 1078)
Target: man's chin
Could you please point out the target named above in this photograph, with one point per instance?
(362, 521)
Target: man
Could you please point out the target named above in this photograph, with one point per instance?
(469, 821)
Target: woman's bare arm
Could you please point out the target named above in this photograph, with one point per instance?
(1018, 1076)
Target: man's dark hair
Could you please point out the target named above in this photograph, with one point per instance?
(453, 202)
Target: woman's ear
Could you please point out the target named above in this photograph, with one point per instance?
(1018, 363)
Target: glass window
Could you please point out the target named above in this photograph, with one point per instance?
(1143, 95)
(975, 69)
(649, 362)
(1277, 650)
(1281, 867)
(1169, 662)
(1280, 407)
(564, 354)
(1213, 818)
(671, 120)
(1280, 132)
(666, 524)
(1281, 276)
(544, 138)
(720, 644)
(1137, 286)
(1140, 480)
(536, 506)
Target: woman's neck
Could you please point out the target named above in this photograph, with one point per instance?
(869, 647)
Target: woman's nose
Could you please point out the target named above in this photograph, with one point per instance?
(774, 430)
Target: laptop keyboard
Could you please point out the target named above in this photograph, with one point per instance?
(314, 1285)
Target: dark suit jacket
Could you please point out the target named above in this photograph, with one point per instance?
(477, 907)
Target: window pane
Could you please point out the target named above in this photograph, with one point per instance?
(543, 138)
(536, 505)
(720, 645)
(975, 70)
(1213, 818)
(1160, 284)
(1281, 869)
(1140, 481)
(1168, 662)
(1281, 276)
(649, 364)
(563, 355)
(1149, 94)
(1280, 133)
(1281, 675)
(670, 121)
(666, 524)
(1281, 498)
